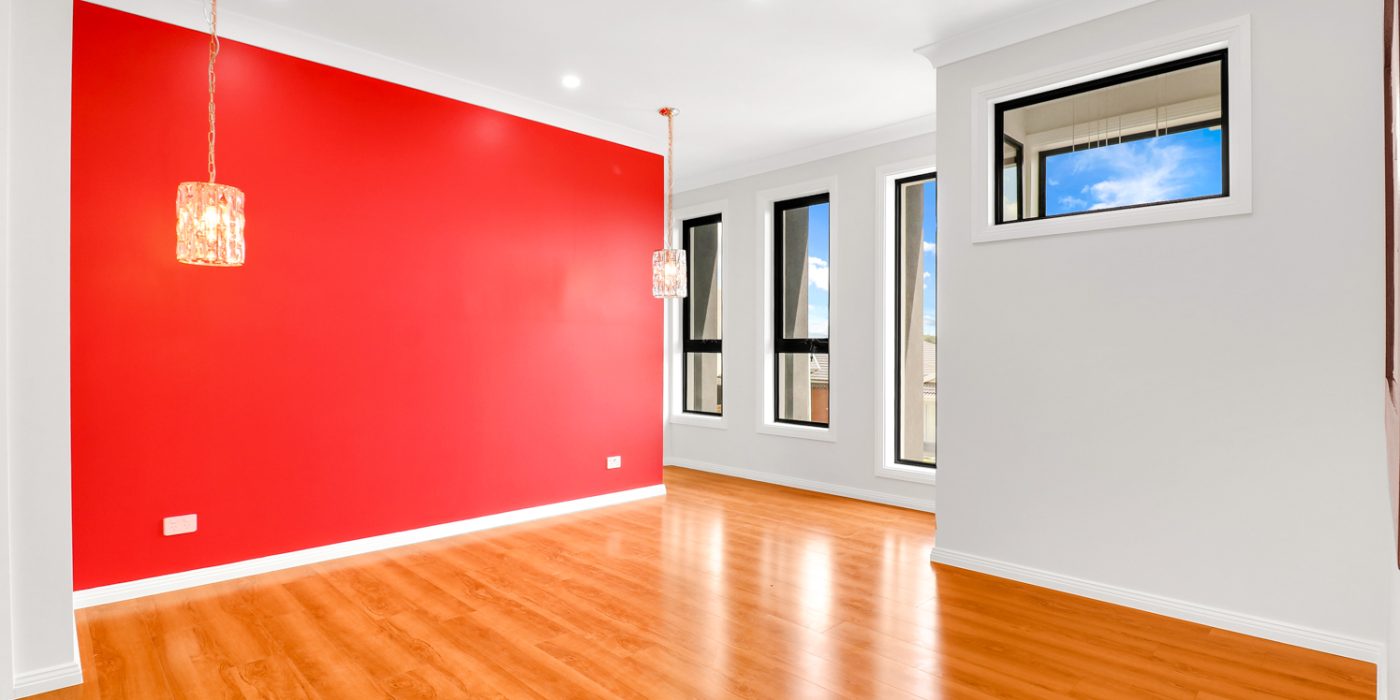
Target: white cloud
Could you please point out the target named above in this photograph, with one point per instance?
(819, 273)
(817, 327)
(1072, 202)
(930, 247)
(1152, 173)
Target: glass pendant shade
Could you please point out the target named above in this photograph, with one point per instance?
(668, 274)
(209, 224)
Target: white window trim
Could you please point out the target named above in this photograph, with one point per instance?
(765, 200)
(675, 393)
(1232, 35)
(885, 465)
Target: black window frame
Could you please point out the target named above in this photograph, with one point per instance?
(1020, 176)
(783, 345)
(998, 128)
(898, 284)
(699, 345)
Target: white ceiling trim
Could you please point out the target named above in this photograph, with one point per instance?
(898, 131)
(1026, 25)
(318, 49)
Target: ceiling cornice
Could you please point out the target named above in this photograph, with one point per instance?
(898, 131)
(1026, 25)
(266, 35)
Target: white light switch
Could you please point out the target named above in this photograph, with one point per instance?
(615, 462)
(181, 524)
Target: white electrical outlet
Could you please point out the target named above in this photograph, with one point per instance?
(614, 462)
(181, 524)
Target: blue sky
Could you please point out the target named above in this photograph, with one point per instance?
(1162, 168)
(819, 264)
(818, 270)
(930, 257)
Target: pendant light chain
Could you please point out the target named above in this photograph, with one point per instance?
(213, 55)
(668, 265)
(670, 114)
(209, 219)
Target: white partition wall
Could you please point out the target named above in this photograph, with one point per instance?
(1183, 416)
(7, 669)
(36, 431)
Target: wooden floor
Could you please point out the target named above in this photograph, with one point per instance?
(722, 589)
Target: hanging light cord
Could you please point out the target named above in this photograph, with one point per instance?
(670, 114)
(213, 55)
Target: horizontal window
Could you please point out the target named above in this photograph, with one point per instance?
(704, 382)
(804, 389)
(1151, 136)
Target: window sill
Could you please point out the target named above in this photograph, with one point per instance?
(1232, 205)
(805, 432)
(697, 420)
(905, 472)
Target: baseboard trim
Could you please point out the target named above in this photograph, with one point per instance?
(46, 679)
(807, 484)
(276, 562)
(1296, 635)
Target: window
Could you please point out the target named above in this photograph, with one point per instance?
(801, 310)
(1012, 198)
(702, 366)
(916, 337)
(1150, 136)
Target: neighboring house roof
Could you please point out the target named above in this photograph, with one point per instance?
(930, 349)
(930, 367)
(821, 368)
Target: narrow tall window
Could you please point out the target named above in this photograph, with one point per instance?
(916, 335)
(1149, 136)
(801, 310)
(702, 367)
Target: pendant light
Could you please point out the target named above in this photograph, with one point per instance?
(668, 273)
(209, 216)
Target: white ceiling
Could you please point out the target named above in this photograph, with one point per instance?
(754, 79)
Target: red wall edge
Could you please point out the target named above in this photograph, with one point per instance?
(445, 312)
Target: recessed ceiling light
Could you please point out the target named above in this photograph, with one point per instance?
(571, 81)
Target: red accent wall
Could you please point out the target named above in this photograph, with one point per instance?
(446, 311)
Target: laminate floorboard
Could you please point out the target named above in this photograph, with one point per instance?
(724, 588)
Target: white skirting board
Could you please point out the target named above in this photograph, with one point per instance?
(859, 494)
(1306, 637)
(43, 680)
(224, 572)
(46, 679)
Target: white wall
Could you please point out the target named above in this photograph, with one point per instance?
(1189, 410)
(1390, 673)
(847, 464)
(6, 65)
(36, 374)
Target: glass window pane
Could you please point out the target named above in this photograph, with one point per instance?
(916, 323)
(1182, 165)
(1010, 179)
(804, 387)
(806, 267)
(1152, 136)
(702, 251)
(704, 382)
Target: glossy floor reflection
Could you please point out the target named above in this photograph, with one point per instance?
(723, 589)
